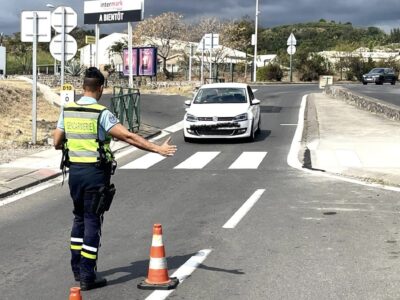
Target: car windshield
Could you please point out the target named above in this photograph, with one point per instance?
(220, 95)
(376, 70)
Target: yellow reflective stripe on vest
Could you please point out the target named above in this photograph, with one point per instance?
(76, 247)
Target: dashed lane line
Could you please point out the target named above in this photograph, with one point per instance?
(244, 209)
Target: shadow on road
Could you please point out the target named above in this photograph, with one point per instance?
(139, 269)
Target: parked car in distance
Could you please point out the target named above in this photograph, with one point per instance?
(222, 110)
(380, 76)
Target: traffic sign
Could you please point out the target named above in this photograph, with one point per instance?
(90, 39)
(209, 41)
(291, 40)
(43, 26)
(291, 50)
(67, 93)
(70, 19)
(70, 47)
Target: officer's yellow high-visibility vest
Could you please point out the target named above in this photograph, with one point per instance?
(81, 124)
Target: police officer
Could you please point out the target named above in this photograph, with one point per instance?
(84, 131)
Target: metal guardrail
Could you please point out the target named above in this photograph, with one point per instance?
(125, 105)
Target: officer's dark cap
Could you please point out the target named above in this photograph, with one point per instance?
(93, 79)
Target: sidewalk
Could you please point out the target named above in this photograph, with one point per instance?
(346, 140)
(28, 171)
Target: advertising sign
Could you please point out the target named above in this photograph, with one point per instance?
(113, 11)
(147, 61)
(134, 60)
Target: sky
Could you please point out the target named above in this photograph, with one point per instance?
(384, 14)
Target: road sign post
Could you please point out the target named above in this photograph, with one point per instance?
(291, 42)
(63, 19)
(35, 27)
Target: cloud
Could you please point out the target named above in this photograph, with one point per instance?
(384, 14)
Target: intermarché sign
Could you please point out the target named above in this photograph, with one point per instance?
(112, 11)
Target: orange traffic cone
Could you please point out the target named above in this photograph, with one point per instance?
(157, 278)
(75, 293)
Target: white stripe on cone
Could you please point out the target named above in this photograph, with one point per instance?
(158, 263)
(157, 240)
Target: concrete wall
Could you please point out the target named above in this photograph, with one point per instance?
(373, 105)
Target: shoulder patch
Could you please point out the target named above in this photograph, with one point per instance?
(112, 119)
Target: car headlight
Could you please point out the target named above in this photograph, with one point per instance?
(191, 118)
(241, 117)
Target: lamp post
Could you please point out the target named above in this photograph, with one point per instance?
(49, 5)
(255, 44)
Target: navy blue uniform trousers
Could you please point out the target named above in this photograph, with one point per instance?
(84, 182)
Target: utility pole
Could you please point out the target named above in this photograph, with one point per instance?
(255, 44)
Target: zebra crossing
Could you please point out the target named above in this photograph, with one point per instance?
(248, 160)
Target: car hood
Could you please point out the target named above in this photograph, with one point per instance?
(218, 110)
(372, 74)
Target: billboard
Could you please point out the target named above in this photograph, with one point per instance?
(144, 61)
(147, 61)
(113, 11)
(134, 60)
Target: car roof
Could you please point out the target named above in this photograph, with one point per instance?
(225, 85)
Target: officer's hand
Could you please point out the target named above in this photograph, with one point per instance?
(166, 149)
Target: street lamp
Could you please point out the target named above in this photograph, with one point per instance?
(49, 5)
(255, 44)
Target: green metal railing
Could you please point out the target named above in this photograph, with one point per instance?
(125, 105)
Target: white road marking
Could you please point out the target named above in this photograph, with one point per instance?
(248, 160)
(198, 160)
(32, 191)
(182, 273)
(174, 128)
(144, 162)
(348, 158)
(244, 209)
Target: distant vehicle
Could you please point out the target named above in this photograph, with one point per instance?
(380, 76)
(222, 110)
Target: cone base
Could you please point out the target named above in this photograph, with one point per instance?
(164, 286)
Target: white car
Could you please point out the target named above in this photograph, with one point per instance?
(222, 110)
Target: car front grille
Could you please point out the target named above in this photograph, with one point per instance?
(221, 119)
(216, 132)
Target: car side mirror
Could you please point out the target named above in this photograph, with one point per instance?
(255, 102)
(187, 102)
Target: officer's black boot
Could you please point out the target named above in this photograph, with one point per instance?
(90, 285)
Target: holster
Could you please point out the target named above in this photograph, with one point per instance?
(102, 199)
(65, 163)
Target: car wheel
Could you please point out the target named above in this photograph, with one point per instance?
(259, 125)
(252, 136)
(365, 83)
(393, 82)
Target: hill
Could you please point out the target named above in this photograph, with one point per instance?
(323, 35)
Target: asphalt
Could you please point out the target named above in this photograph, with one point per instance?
(338, 138)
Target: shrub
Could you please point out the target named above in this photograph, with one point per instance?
(270, 72)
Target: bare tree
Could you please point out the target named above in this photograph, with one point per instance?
(160, 31)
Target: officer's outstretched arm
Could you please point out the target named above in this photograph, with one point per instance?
(121, 133)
